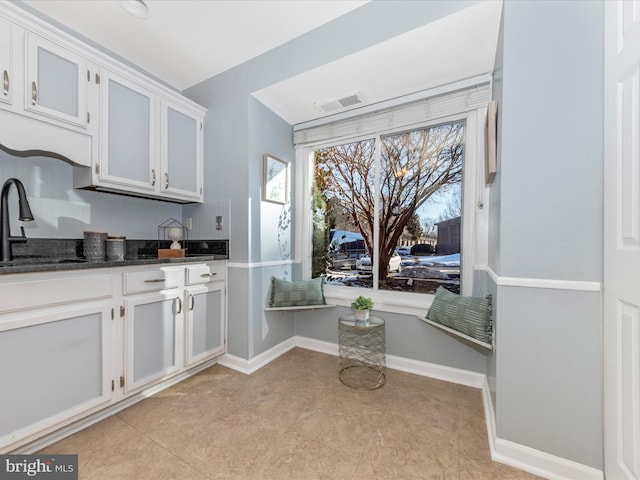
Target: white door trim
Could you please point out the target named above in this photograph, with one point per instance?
(621, 321)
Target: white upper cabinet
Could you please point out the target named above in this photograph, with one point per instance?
(123, 131)
(57, 81)
(6, 64)
(127, 134)
(149, 145)
(181, 151)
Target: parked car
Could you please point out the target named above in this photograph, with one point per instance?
(403, 251)
(363, 265)
(422, 249)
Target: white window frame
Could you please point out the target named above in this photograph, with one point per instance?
(474, 216)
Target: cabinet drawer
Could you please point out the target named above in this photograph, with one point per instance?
(34, 293)
(150, 280)
(197, 274)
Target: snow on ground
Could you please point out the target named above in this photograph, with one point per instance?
(452, 260)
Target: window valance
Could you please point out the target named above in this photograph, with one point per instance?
(395, 114)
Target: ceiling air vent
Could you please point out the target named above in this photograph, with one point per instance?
(339, 104)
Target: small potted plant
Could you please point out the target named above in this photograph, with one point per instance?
(361, 307)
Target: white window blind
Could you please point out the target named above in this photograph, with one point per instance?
(401, 115)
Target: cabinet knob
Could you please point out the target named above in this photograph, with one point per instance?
(179, 305)
(153, 177)
(192, 301)
(6, 83)
(34, 93)
(166, 180)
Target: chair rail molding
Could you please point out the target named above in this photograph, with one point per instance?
(579, 285)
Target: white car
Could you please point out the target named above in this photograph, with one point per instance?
(363, 265)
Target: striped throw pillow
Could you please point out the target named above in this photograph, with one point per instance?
(296, 294)
(469, 315)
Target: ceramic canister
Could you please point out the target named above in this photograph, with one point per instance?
(115, 248)
(93, 245)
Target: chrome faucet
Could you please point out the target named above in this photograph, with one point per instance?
(25, 215)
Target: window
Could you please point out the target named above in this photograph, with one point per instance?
(395, 210)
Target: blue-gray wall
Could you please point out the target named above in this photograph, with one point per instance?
(546, 224)
(239, 130)
(60, 211)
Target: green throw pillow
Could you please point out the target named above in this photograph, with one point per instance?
(296, 294)
(469, 315)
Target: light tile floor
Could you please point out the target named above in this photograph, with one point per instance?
(293, 420)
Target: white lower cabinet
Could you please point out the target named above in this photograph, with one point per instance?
(73, 343)
(205, 327)
(55, 366)
(153, 326)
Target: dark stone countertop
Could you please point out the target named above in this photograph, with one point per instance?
(32, 265)
(53, 255)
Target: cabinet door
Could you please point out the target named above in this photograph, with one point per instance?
(55, 366)
(206, 313)
(181, 152)
(6, 64)
(127, 133)
(56, 82)
(152, 336)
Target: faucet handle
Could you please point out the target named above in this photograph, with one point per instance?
(21, 239)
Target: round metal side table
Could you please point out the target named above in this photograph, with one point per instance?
(362, 363)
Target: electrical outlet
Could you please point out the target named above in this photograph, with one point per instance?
(189, 223)
(219, 222)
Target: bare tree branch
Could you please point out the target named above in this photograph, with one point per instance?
(414, 166)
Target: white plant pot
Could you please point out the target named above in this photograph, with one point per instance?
(362, 315)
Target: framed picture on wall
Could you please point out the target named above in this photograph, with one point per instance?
(275, 186)
(490, 140)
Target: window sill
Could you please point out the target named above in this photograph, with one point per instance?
(405, 303)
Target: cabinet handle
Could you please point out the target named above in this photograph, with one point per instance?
(6, 83)
(34, 93)
(166, 180)
(155, 280)
(209, 275)
(153, 177)
(179, 309)
(192, 301)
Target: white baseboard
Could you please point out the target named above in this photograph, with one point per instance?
(317, 345)
(541, 463)
(256, 363)
(431, 370)
(503, 451)
(439, 372)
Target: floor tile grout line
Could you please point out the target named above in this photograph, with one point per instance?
(169, 451)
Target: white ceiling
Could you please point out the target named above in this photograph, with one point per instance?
(183, 41)
(456, 47)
